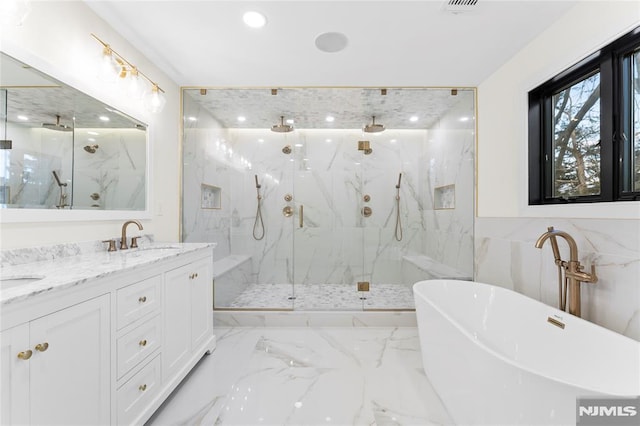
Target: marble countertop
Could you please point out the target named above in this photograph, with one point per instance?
(68, 271)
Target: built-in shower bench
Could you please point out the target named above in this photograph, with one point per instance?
(420, 267)
(231, 276)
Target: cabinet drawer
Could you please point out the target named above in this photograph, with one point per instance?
(134, 396)
(138, 300)
(136, 345)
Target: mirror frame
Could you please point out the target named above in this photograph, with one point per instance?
(20, 215)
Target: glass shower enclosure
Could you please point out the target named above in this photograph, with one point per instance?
(329, 198)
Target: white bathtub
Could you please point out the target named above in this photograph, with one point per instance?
(493, 357)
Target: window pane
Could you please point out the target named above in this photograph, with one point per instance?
(635, 126)
(576, 136)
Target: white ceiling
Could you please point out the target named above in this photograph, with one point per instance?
(391, 43)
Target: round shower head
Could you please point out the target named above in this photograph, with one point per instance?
(373, 127)
(281, 127)
(91, 149)
(57, 126)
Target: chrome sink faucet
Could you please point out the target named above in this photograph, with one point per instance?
(572, 270)
(123, 241)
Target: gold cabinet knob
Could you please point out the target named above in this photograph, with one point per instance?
(142, 388)
(41, 347)
(143, 342)
(25, 355)
(142, 299)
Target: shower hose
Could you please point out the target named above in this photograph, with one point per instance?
(398, 224)
(256, 235)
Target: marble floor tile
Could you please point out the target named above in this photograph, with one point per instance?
(307, 376)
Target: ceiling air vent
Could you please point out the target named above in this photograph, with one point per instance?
(459, 6)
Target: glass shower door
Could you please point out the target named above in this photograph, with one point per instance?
(328, 236)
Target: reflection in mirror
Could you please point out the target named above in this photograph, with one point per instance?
(62, 149)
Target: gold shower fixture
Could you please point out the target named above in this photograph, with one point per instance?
(116, 66)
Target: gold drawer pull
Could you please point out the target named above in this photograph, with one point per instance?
(41, 347)
(143, 388)
(25, 355)
(142, 299)
(143, 342)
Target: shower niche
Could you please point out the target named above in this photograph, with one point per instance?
(344, 226)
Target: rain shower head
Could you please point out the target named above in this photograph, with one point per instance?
(373, 127)
(91, 149)
(57, 126)
(281, 127)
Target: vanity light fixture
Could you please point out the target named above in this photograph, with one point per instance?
(115, 66)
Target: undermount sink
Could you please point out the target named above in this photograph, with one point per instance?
(13, 281)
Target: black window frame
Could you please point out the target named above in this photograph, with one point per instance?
(615, 149)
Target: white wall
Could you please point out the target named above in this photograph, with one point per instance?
(502, 109)
(506, 228)
(55, 38)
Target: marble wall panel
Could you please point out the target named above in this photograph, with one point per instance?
(506, 256)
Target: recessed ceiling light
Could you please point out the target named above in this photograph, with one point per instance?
(242, 118)
(331, 42)
(413, 118)
(254, 19)
(330, 119)
(23, 118)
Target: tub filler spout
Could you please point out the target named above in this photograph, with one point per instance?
(572, 270)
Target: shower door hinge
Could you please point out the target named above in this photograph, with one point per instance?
(363, 285)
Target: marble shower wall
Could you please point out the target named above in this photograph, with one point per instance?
(506, 256)
(449, 197)
(328, 176)
(35, 154)
(116, 172)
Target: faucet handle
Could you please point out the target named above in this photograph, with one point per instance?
(134, 242)
(112, 244)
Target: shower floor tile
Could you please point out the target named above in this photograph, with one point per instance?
(309, 297)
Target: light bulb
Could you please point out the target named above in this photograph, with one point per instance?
(154, 101)
(134, 85)
(109, 69)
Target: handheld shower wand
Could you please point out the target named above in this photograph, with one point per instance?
(256, 235)
(398, 233)
(62, 200)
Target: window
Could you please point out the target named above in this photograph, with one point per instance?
(584, 129)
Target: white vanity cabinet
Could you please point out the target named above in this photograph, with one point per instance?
(60, 357)
(109, 350)
(187, 321)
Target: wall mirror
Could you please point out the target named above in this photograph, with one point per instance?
(64, 150)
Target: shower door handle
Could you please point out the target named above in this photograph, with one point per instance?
(301, 216)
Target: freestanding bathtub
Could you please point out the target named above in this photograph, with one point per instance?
(496, 357)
